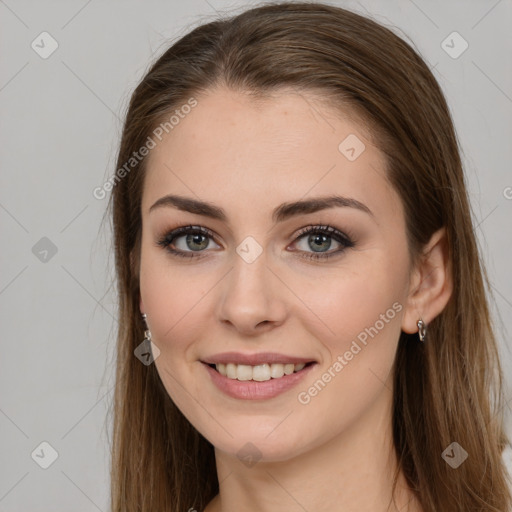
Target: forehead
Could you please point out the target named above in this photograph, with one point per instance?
(249, 154)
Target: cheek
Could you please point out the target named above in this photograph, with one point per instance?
(361, 323)
(175, 297)
(362, 301)
(167, 297)
(357, 317)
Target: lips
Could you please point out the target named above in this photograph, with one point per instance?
(259, 388)
(256, 376)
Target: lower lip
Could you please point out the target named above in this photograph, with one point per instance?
(255, 390)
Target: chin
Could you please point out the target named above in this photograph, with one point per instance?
(258, 446)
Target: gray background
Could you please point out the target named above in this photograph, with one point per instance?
(60, 123)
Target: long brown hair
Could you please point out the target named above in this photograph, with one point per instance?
(447, 390)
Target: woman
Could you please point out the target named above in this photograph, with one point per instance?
(303, 320)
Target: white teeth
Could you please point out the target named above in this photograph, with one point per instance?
(260, 373)
(244, 372)
(231, 371)
(288, 368)
(276, 371)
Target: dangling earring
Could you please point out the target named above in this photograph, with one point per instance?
(147, 332)
(422, 330)
(147, 351)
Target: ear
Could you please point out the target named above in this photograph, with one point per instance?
(431, 284)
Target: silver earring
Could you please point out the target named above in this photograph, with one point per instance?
(147, 332)
(422, 330)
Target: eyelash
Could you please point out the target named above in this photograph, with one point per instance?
(346, 241)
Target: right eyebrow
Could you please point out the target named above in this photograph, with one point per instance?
(188, 204)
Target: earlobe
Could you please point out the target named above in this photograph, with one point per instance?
(431, 285)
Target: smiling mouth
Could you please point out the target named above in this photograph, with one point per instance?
(260, 372)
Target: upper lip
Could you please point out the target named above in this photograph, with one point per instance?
(255, 359)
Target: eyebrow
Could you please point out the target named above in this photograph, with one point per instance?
(280, 214)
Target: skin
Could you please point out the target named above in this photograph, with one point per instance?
(247, 157)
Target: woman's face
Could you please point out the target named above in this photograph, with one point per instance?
(254, 288)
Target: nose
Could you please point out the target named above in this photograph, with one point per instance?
(252, 297)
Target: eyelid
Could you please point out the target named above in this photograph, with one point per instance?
(324, 228)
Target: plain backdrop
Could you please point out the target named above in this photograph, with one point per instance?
(60, 124)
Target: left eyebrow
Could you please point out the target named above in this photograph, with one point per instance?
(280, 214)
(316, 204)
